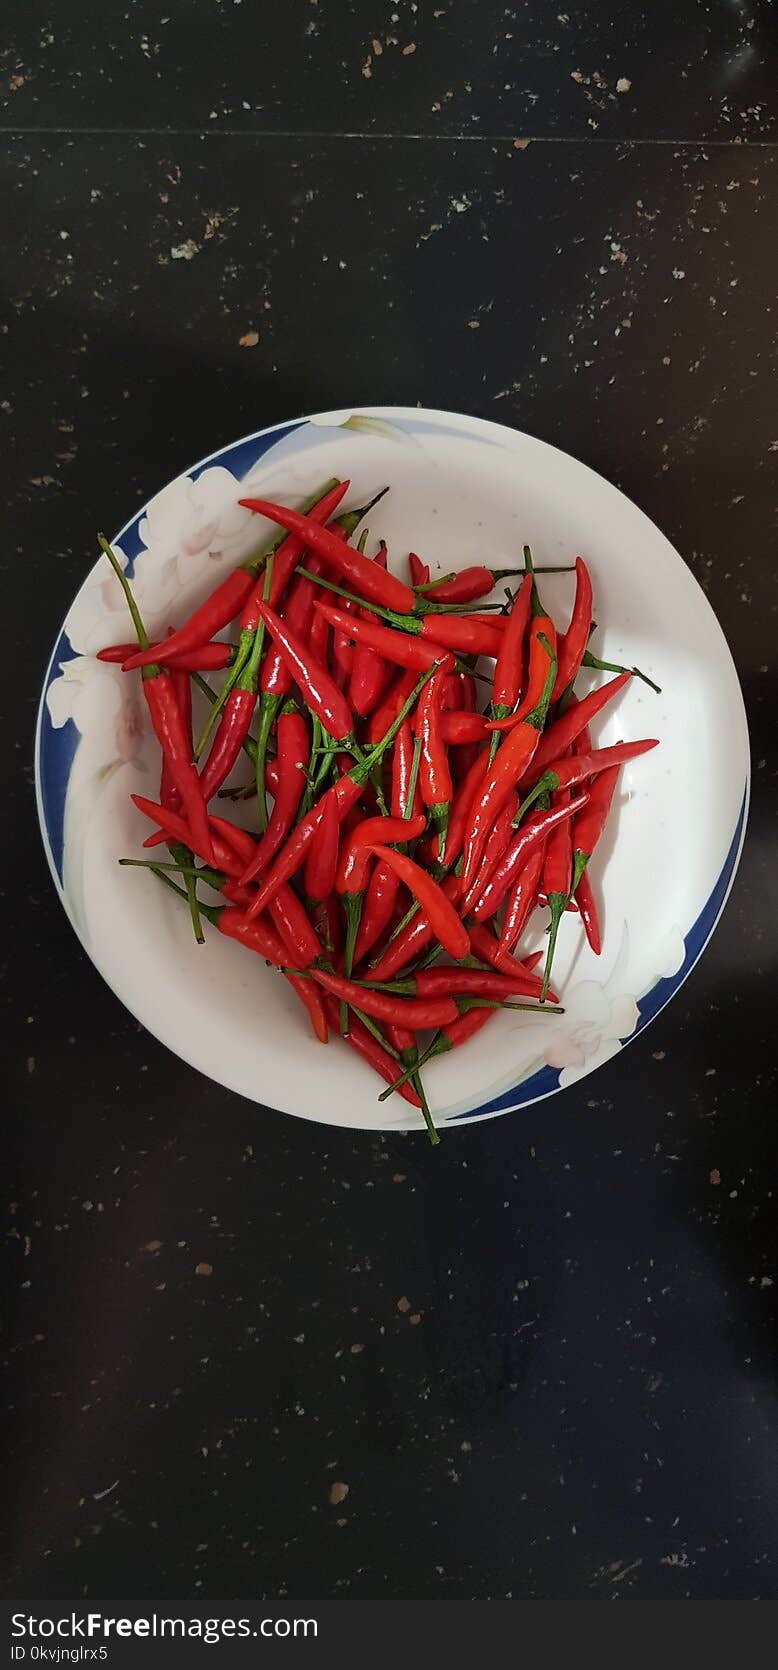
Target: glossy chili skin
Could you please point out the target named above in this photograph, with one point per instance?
(398, 648)
(435, 782)
(589, 915)
(418, 571)
(370, 1050)
(223, 604)
(572, 643)
(510, 762)
(364, 577)
(173, 825)
(556, 878)
(290, 763)
(473, 982)
(463, 634)
(227, 743)
(402, 771)
(293, 926)
(321, 861)
(318, 689)
(578, 767)
(209, 658)
(291, 549)
(445, 922)
(532, 833)
(354, 861)
(417, 1014)
(562, 732)
(495, 848)
(380, 899)
(368, 668)
(176, 746)
(412, 939)
(389, 706)
(508, 667)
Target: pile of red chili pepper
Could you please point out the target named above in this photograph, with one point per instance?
(419, 770)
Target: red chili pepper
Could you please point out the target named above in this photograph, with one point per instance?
(591, 820)
(313, 1000)
(293, 926)
(417, 1014)
(494, 850)
(434, 775)
(510, 762)
(380, 898)
(368, 1047)
(322, 857)
(243, 844)
(388, 709)
(557, 878)
(172, 824)
(223, 604)
(170, 798)
(411, 939)
(523, 899)
(507, 672)
(588, 909)
(559, 736)
(537, 667)
(531, 834)
(318, 690)
(291, 549)
(364, 577)
(368, 668)
(573, 642)
(458, 728)
(209, 658)
(168, 723)
(357, 850)
(468, 982)
(446, 924)
(464, 634)
(399, 648)
(345, 792)
(292, 758)
(565, 774)
(469, 584)
(403, 784)
(484, 945)
(418, 571)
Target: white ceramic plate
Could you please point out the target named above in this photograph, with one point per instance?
(462, 490)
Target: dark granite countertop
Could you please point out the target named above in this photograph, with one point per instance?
(566, 222)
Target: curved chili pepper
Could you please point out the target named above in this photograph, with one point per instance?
(389, 707)
(450, 1037)
(572, 643)
(345, 792)
(290, 764)
(406, 799)
(412, 938)
(291, 549)
(510, 762)
(434, 774)
(242, 843)
(399, 648)
(170, 797)
(368, 668)
(322, 857)
(465, 982)
(556, 881)
(418, 571)
(293, 927)
(380, 898)
(168, 723)
(353, 867)
(458, 728)
(209, 658)
(469, 584)
(507, 672)
(484, 945)
(462, 633)
(367, 580)
(444, 921)
(172, 824)
(318, 690)
(368, 1047)
(564, 730)
(532, 834)
(313, 1000)
(357, 850)
(587, 830)
(565, 774)
(588, 909)
(494, 849)
(225, 602)
(417, 1014)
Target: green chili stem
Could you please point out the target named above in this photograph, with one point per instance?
(599, 666)
(140, 630)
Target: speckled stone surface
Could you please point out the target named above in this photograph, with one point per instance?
(540, 1358)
